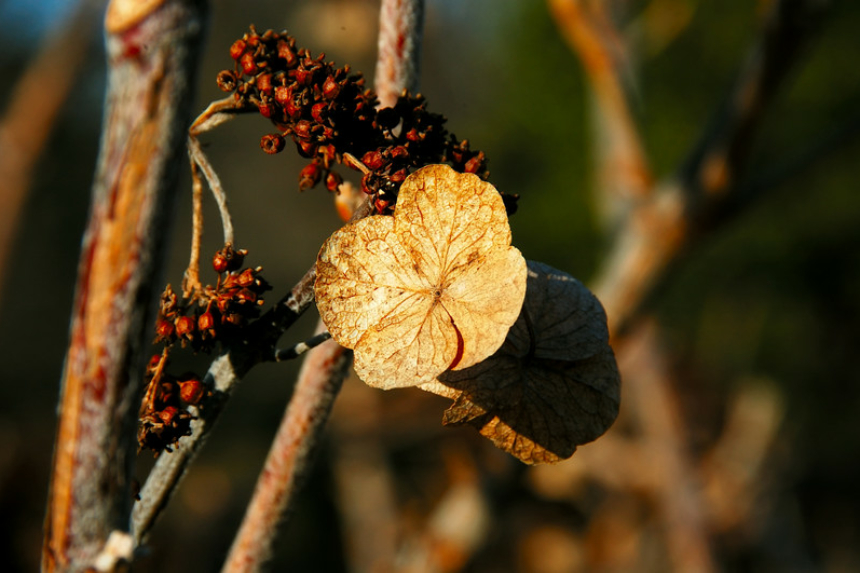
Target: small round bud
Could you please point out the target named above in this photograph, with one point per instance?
(164, 330)
(309, 176)
(373, 160)
(272, 143)
(333, 181)
(191, 391)
(237, 49)
(168, 414)
(264, 83)
(185, 327)
(248, 63)
(206, 322)
(330, 88)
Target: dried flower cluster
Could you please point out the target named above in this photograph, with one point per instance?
(327, 112)
(164, 414)
(213, 314)
(215, 311)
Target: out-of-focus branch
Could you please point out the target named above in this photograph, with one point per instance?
(623, 171)
(290, 457)
(682, 209)
(152, 51)
(32, 109)
(401, 24)
(677, 488)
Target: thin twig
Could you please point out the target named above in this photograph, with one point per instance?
(290, 456)
(152, 59)
(283, 354)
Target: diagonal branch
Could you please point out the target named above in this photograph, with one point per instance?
(683, 209)
(152, 57)
(290, 457)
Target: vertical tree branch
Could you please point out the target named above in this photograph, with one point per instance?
(152, 50)
(401, 26)
(677, 488)
(290, 457)
(623, 171)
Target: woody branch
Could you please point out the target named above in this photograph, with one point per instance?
(152, 57)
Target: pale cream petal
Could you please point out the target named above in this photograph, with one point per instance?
(363, 275)
(448, 218)
(484, 300)
(408, 352)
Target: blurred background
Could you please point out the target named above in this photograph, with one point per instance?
(757, 395)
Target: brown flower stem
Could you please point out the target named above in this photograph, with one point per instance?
(685, 208)
(152, 51)
(32, 110)
(401, 24)
(217, 113)
(623, 168)
(290, 456)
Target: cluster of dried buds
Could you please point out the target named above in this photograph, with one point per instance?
(327, 112)
(164, 412)
(216, 311)
(214, 314)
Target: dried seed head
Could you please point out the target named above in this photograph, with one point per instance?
(272, 143)
(191, 391)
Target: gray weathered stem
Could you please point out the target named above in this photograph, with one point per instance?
(152, 49)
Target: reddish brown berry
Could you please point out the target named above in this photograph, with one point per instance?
(264, 83)
(374, 160)
(191, 391)
(272, 143)
(304, 76)
(303, 129)
(185, 327)
(286, 52)
(248, 63)
(265, 110)
(381, 205)
(317, 111)
(168, 414)
(309, 176)
(237, 49)
(283, 94)
(307, 148)
(333, 181)
(228, 259)
(164, 329)
(246, 295)
(399, 151)
(330, 88)
(206, 322)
